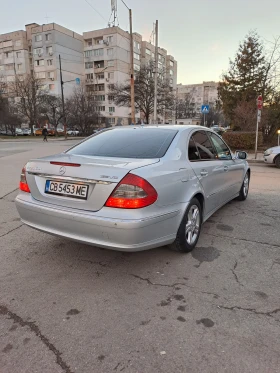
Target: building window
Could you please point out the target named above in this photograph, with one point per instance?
(18, 54)
(136, 67)
(2, 67)
(19, 66)
(110, 75)
(111, 63)
(88, 53)
(148, 52)
(38, 37)
(50, 75)
(100, 98)
(153, 55)
(49, 50)
(136, 45)
(100, 108)
(89, 43)
(98, 52)
(110, 52)
(111, 86)
(18, 43)
(110, 39)
(137, 56)
(171, 81)
(39, 63)
(111, 109)
(48, 37)
(100, 76)
(99, 65)
(38, 51)
(89, 76)
(51, 87)
(7, 44)
(9, 66)
(98, 41)
(110, 97)
(40, 75)
(89, 65)
(172, 63)
(171, 72)
(8, 54)
(111, 120)
(100, 87)
(50, 62)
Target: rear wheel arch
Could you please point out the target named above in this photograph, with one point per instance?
(200, 198)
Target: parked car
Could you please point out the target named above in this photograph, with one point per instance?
(19, 132)
(26, 131)
(38, 131)
(73, 132)
(272, 156)
(133, 188)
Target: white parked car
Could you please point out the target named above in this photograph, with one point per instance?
(272, 156)
(72, 132)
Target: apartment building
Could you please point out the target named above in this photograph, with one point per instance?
(107, 62)
(165, 61)
(199, 94)
(37, 49)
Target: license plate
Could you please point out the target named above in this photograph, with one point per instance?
(66, 189)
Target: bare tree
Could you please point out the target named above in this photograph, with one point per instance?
(82, 110)
(9, 120)
(51, 109)
(28, 92)
(185, 108)
(144, 92)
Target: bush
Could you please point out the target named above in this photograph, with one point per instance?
(242, 140)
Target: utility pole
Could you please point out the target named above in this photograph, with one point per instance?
(62, 97)
(156, 75)
(132, 88)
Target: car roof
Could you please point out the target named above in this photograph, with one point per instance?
(177, 127)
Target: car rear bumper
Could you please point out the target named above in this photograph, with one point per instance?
(89, 228)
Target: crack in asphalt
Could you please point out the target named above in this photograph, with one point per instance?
(235, 275)
(242, 239)
(35, 329)
(149, 282)
(10, 231)
(6, 195)
(253, 310)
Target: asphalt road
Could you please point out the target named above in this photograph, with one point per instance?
(67, 307)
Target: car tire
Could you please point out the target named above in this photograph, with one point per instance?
(277, 161)
(189, 230)
(243, 194)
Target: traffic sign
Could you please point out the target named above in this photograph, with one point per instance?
(205, 109)
(78, 81)
(260, 102)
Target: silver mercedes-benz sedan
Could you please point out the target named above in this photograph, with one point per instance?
(133, 188)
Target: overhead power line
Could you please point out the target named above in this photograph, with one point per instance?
(95, 10)
(125, 4)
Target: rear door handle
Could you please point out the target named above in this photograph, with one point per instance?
(203, 173)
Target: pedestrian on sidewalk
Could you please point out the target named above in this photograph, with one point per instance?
(45, 134)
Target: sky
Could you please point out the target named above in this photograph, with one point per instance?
(202, 35)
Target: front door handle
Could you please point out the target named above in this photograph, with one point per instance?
(225, 168)
(203, 173)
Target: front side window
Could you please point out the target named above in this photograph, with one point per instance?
(193, 152)
(222, 149)
(204, 146)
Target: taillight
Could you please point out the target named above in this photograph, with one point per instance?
(132, 192)
(23, 182)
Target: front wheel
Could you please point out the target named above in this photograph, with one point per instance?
(277, 162)
(243, 194)
(189, 230)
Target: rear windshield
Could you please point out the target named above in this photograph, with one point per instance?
(127, 143)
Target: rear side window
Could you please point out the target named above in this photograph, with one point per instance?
(127, 143)
(204, 145)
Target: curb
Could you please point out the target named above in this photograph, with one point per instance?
(252, 161)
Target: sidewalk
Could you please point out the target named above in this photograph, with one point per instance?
(251, 158)
(40, 138)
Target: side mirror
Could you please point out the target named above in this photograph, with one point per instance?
(241, 155)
